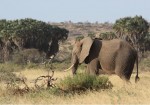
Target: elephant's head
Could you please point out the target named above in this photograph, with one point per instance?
(80, 51)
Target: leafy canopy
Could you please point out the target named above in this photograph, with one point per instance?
(30, 32)
(132, 29)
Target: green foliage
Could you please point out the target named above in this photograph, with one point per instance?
(91, 34)
(107, 35)
(30, 29)
(29, 33)
(82, 82)
(131, 29)
(147, 42)
(78, 38)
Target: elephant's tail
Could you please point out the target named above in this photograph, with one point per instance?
(137, 77)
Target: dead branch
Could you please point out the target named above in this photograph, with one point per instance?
(49, 81)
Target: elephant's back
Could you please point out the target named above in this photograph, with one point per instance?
(118, 44)
(111, 45)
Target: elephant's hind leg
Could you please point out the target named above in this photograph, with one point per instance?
(125, 71)
(129, 69)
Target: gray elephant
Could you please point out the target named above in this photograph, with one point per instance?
(113, 56)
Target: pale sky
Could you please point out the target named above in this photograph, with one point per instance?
(74, 10)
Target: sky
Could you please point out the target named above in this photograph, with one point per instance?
(74, 10)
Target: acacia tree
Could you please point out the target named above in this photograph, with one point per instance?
(131, 29)
(30, 33)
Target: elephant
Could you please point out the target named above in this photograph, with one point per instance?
(114, 56)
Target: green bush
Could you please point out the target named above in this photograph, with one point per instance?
(82, 82)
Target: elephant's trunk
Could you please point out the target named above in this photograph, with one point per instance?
(75, 63)
(75, 66)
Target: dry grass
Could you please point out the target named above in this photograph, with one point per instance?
(121, 93)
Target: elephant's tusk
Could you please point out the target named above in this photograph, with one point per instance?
(69, 68)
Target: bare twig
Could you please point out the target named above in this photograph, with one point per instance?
(49, 82)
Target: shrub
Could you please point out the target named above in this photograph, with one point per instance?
(107, 36)
(91, 34)
(82, 82)
(10, 67)
(28, 56)
(78, 38)
(6, 71)
(6, 75)
(145, 62)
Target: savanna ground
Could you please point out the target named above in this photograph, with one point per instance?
(121, 92)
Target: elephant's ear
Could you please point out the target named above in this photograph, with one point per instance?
(86, 44)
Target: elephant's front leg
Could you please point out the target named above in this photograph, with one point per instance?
(93, 67)
(88, 69)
